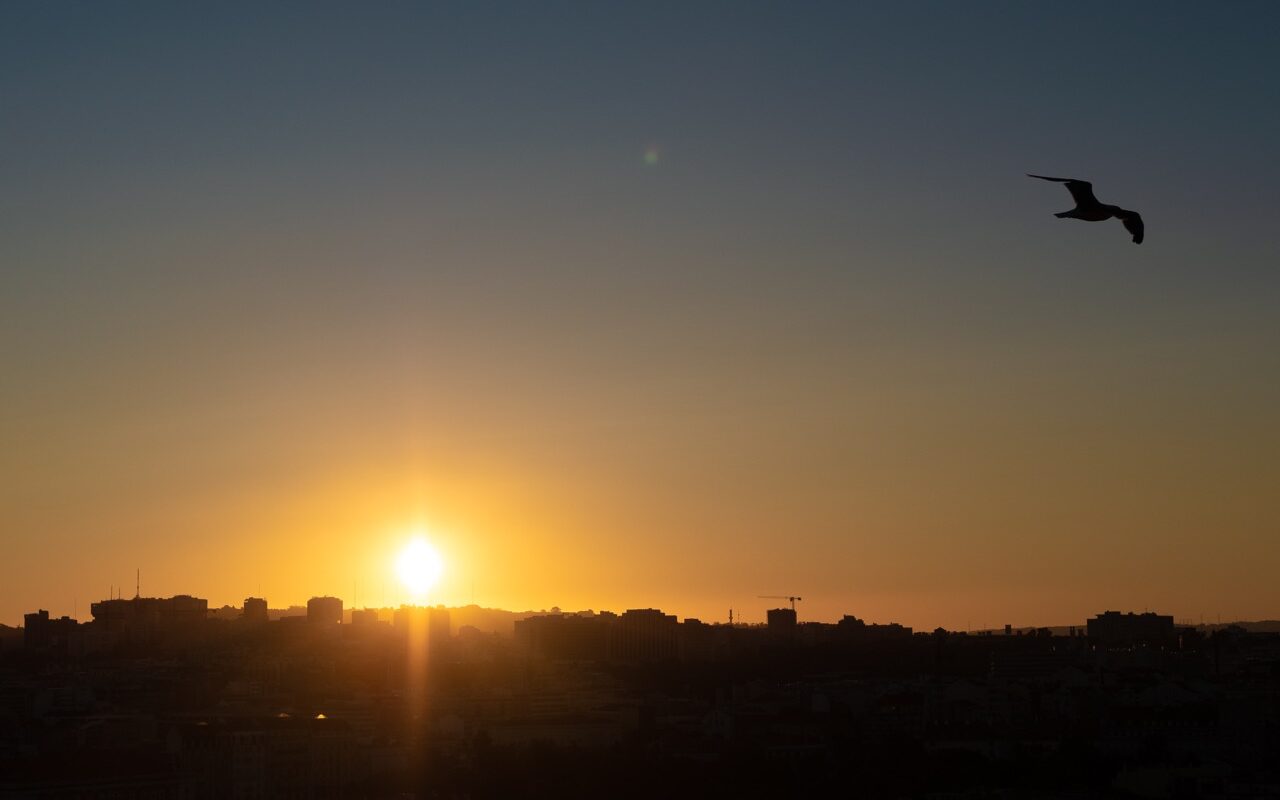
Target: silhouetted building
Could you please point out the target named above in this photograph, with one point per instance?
(405, 618)
(433, 624)
(324, 610)
(364, 616)
(854, 628)
(438, 631)
(1113, 629)
(643, 634)
(562, 637)
(40, 631)
(781, 620)
(148, 618)
(697, 640)
(255, 610)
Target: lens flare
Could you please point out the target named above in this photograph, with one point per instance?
(652, 155)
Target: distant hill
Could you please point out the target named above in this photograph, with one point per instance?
(226, 612)
(291, 611)
(497, 620)
(1261, 626)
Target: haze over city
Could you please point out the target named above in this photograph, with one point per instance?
(654, 305)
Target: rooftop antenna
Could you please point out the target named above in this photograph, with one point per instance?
(137, 588)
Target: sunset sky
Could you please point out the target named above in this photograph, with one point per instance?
(642, 305)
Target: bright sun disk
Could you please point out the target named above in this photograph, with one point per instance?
(419, 566)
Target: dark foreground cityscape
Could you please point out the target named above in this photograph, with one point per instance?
(166, 698)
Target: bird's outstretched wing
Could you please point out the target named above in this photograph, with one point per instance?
(1081, 191)
(1132, 223)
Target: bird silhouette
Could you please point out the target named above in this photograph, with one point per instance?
(1089, 209)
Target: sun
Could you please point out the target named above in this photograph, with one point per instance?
(419, 566)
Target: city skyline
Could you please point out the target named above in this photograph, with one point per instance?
(157, 619)
(667, 304)
(168, 698)
(755, 612)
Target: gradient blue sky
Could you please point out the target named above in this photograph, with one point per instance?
(281, 283)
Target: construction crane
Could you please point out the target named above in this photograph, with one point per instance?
(790, 597)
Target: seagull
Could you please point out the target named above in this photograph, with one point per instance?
(1088, 208)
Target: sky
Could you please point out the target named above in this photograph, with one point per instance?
(642, 305)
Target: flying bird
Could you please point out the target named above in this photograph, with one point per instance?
(1088, 208)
